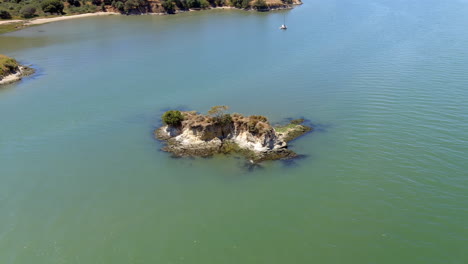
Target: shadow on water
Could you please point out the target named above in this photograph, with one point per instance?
(295, 162)
(249, 167)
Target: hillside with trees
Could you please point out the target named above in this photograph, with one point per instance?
(26, 9)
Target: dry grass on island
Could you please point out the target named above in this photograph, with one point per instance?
(189, 134)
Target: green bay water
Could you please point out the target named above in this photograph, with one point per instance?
(384, 178)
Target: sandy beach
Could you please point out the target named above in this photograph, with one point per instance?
(55, 19)
(11, 21)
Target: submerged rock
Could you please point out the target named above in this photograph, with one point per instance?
(189, 134)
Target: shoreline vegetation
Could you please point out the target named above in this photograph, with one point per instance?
(191, 134)
(11, 71)
(19, 14)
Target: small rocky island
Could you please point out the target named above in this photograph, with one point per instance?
(11, 70)
(191, 134)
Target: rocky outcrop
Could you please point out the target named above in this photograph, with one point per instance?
(253, 136)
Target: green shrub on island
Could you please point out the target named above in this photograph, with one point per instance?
(223, 120)
(219, 116)
(52, 6)
(257, 124)
(173, 118)
(297, 121)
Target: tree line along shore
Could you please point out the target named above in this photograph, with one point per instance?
(18, 14)
(27, 9)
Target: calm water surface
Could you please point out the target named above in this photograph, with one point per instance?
(385, 176)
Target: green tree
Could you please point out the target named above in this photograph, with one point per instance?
(119, 5)
(27, 11)
(241, 3)
(181, 4)
(219, 2)
(52, 6)
(260, 5)
(5, 14)
(193, 3)
(218, 110)
(169, 6)
(173, 118)
(204, 4)
(74, 3)
(130, 5)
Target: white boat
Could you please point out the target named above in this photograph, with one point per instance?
(284, 27)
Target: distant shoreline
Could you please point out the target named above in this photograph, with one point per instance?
(18, 24)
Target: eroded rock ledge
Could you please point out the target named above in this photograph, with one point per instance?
(189, 134)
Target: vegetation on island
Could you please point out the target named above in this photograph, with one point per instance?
(7, 66)
(172, 118)
(294, 129)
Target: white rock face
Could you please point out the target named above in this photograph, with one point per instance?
(169, 132)
(245, 139)
(189, 138)
(261, 143)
